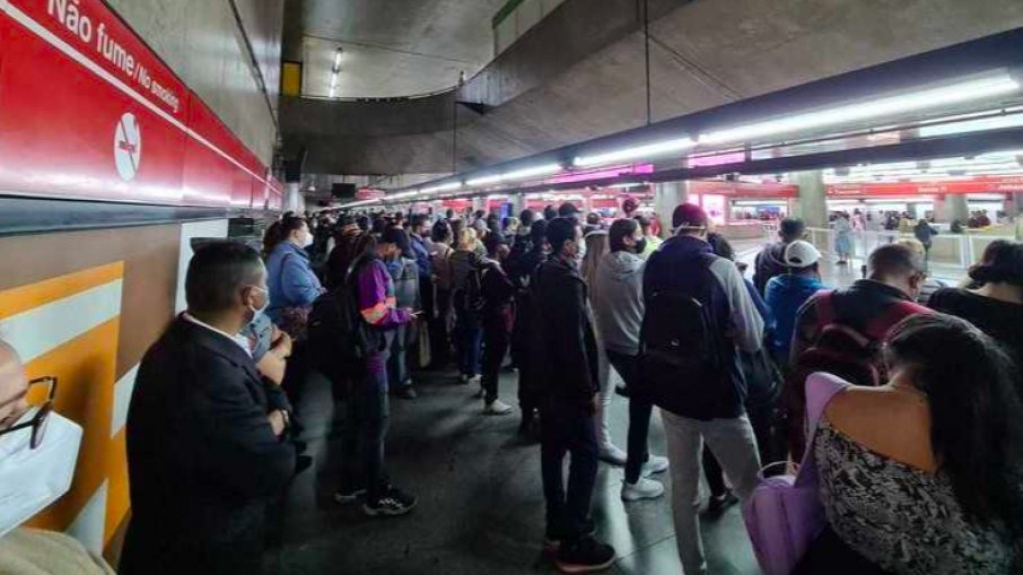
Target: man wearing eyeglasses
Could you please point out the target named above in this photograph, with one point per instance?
(206, 444)
(38, 450)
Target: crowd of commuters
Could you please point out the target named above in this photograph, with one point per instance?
(919, 456)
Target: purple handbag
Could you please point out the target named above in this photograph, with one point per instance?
(784, 514)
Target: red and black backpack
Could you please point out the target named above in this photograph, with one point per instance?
(853, 355)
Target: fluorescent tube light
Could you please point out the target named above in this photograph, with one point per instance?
(964, 127)
(649, 150)
(402, 195)
(516, 175)
(441, 188)
(964, 91)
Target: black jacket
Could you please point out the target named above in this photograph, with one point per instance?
(202, 458)
(563, 342)
(770, 262)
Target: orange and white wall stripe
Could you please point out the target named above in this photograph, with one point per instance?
(69, 327)
(84, 307)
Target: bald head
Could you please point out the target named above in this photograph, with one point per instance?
(13, 386)
(898, 266)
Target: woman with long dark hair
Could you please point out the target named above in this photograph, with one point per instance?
(293, 288)
(996, 304)
(924, 476)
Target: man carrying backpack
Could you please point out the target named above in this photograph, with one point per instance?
(520, 270)
(362, 444)
(770, 261)
(698, 312)
(840, 331)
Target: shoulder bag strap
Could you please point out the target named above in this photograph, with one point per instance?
(825, 308)
(821, 388)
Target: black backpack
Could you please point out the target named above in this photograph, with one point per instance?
(681, 359)
(470, 297)
(338, 340)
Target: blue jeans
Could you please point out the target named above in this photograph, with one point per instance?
(470, 336)
(568, 427)
(365, 429)
(397, 365)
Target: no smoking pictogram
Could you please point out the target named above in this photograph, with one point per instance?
(128, 147)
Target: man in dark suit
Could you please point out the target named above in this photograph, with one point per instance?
(206, 446)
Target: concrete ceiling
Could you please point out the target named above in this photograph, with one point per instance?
(390, 48)
(704, 54)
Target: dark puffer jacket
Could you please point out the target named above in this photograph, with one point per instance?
(563, 343)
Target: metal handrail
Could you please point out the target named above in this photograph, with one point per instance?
(968, 247)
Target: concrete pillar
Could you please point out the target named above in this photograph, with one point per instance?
(1017, 203)
(518, 203)
(954, 208)
(479, 203)
(667, 197)
(812, 205)
(293, 199)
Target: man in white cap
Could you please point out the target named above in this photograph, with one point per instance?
(788, 292)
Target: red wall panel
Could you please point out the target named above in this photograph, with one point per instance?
(64, 138)
(87, 111)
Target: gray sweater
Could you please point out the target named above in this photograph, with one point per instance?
(617, 299)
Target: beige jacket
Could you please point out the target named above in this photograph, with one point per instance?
(33, 552)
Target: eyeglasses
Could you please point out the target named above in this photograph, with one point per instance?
(39, 420)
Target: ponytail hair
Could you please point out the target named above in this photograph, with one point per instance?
(280, 231)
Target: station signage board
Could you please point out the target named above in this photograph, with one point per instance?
(976, 185)
(89, 112)
(752, 190)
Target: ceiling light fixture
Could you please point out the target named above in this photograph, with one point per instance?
(402, 196)
(335, 71)
(441, 188)
(647, 151)
(955, 93)
(516, 175)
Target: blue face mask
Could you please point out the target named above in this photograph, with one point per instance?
(393, 265)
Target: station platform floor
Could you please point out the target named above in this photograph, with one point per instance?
(481, 506)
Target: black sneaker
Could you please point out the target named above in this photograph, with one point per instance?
(349, 495)
(552, 541)
(718, 505)
(392, 504)
(585, 556)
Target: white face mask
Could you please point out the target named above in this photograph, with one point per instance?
(580, 252)
(32, 479)
(308, 241)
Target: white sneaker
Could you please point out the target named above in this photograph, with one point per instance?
(656, 464)
(474, 380)
(642, 489)
(613, 455)
(497, 407)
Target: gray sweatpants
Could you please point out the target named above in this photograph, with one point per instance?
(734, 445)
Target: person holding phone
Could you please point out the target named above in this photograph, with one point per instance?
(362, 443)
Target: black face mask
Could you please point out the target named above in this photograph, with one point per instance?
(640, 246)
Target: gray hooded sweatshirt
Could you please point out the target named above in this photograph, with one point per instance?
(617, 299)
